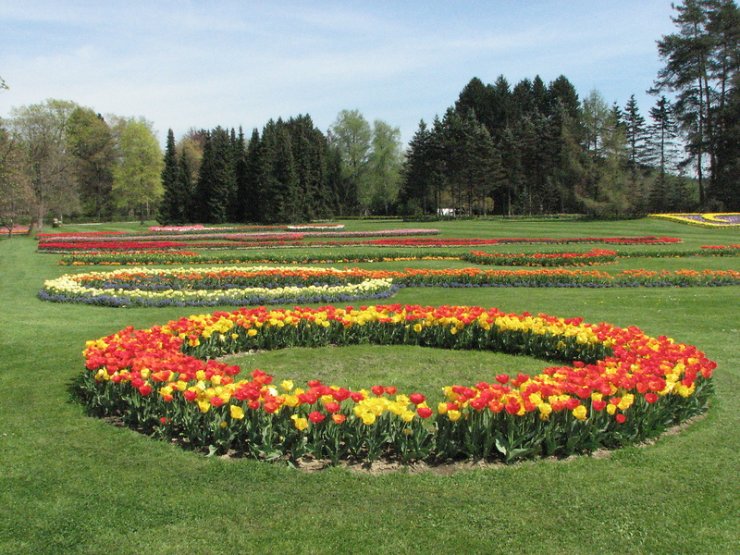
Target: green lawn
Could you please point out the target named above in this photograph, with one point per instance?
(74, 484)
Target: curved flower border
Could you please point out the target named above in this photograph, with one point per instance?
(173, 287)
(212, 286)
(623, 387)
(717, 219)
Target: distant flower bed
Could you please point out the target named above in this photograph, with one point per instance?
(215, 286)
(594, 256)
(208, 239)
(649, 240)
(729, 248)
(315, 227)
(180, 257)
(61, 246)
(616, 386)
(15, 230)
(196, 228)
(260, 285)
(334, 256)
(718, 219)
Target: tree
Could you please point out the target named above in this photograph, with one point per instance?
(415, 190)
(602, 192)
(92, 146)
(384, 166)
(16, 195)
(701, 64)
(173, 208)
(41, 129)
(137, 182)
(635, 133)
(350, 135)
(661, 148)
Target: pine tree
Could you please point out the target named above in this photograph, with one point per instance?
(634, 126)
(635, 134)
(236, 207)
(662, 134)
(172, 207)
(206, 177)
(186, 186)
(224, 177)
(414, 195)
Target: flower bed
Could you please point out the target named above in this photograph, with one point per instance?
(618, 386)
(180, 257)
(260, 285)
(303, 239)
(594, 256)
(215, 286)
(146, 257)
(208, 238)
(722, 248)
(648, 240)
(719, 219)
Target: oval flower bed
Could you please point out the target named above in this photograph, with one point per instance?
(620, 386)
(273, 285)
(214, 286)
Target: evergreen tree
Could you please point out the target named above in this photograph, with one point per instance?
(662, 134)
(223, 185)
(247, 181)
(186, 185)
(414, 194)
(634, 126)
(206, 177)
(172, 210)
(284, 183)
(236, 206)
(701, 61)
(635, 135)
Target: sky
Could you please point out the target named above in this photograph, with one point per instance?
(185, 64)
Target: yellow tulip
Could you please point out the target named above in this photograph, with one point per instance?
(237, 413)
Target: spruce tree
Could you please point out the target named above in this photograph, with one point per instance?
(236, 207)
(204, 186)
(662, 134)
(172, 207)
(223, 184)
(635, 134)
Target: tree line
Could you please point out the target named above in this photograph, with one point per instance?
(58, 158)
(538, 149)
(290, 172)
(530, 148)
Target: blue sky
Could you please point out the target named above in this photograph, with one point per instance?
(201, 64)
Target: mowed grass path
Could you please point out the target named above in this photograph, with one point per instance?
(73, 484)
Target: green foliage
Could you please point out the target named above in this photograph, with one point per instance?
(137, 185)
(173, 209)
(701, 68)
(92, 145)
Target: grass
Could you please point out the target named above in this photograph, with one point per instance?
(73, 484)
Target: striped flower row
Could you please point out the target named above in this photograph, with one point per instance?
(211, 286)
